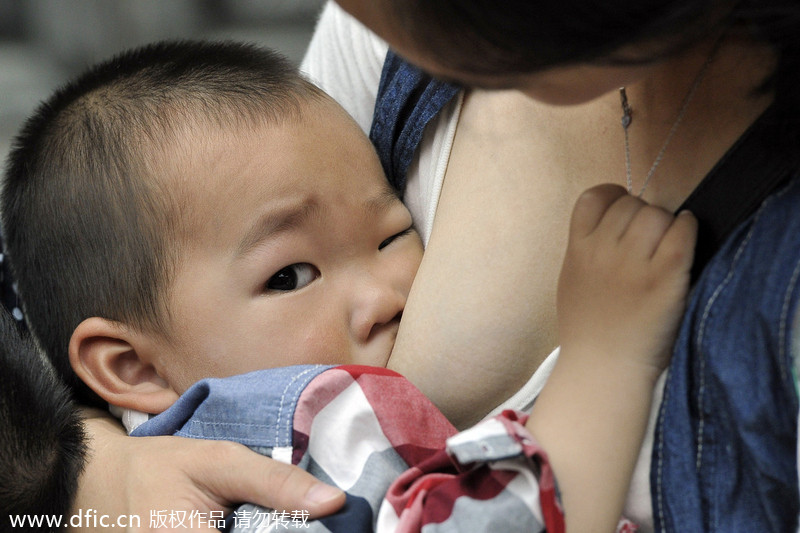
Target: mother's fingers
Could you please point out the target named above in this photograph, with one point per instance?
(161, 479)
(235, 474)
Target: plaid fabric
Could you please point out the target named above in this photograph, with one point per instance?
(372, 433)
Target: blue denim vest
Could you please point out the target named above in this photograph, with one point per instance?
(725, 448)
(724, 456)
(407, 100)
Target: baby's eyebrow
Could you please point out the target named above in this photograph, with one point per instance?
(381, 202)
(274, 222)
(296, 215)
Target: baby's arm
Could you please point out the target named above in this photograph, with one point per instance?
(621, 295)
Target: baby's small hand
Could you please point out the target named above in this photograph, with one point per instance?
(625, 277)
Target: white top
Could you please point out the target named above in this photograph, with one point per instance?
(345, 59)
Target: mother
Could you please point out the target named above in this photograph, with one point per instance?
(711, 114)
(711, 104)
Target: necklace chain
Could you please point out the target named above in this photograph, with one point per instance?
(627, 118)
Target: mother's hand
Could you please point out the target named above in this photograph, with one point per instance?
(156, 477)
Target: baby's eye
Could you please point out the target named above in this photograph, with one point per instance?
(389, 241)
(292, 277)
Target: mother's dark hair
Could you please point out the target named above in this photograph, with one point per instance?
(487, 38)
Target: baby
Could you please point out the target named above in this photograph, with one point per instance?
(193, 210)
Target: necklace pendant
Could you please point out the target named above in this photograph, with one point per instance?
(627, 117)
(627, 112)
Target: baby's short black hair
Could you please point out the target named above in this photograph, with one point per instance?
(89, 229)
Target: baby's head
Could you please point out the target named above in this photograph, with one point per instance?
(189, 210)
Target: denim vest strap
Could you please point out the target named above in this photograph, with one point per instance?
(761, 162)
(724, 456)
(407, 100)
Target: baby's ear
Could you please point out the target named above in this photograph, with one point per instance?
(103, 353)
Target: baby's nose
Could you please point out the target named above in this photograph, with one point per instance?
(375, 308)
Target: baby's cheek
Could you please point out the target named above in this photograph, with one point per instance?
(325, 345)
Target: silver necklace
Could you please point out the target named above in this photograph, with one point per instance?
(627, 118)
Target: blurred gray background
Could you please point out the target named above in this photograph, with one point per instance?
(44, 42)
